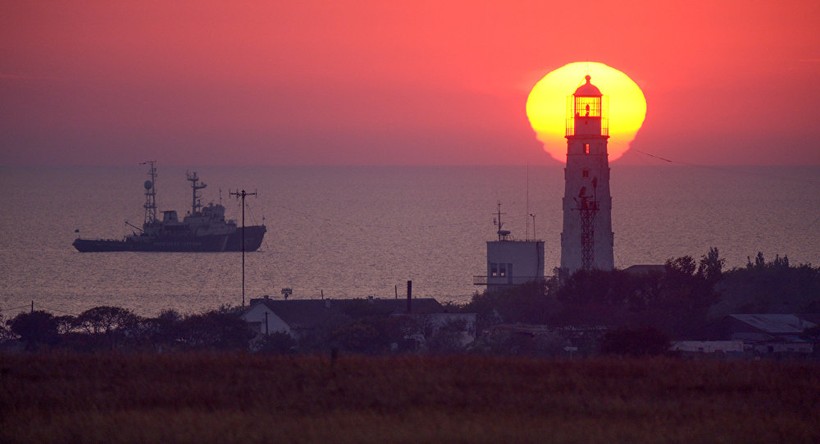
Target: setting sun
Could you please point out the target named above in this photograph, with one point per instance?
(546, 106)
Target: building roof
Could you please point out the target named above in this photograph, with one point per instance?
(774, 323)
(588, 89)
(310, 312)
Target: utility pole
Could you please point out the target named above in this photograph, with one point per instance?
(242, 195)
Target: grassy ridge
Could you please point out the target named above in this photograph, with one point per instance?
(233, 398)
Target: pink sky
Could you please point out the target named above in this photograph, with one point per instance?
(398, 83)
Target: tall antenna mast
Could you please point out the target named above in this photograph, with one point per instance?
(527, 219)
(150, 185)
(242, 195)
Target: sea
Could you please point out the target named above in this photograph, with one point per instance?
(350, 232)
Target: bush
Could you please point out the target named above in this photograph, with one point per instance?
(277, 343)
(635, 342)
(35, 329)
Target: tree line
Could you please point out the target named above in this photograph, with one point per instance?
(113, 328)
(358, 330)
(681, 301)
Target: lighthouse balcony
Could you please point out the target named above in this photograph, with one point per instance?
(587, 126)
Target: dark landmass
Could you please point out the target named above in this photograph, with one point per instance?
(590, 313)
(109, 375)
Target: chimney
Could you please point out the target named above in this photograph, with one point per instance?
(409, 296)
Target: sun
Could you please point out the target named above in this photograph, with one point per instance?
(547, 106)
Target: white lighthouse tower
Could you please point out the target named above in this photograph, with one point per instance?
(587, 238)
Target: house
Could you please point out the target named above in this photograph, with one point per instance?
(301, 317)
(710, 347)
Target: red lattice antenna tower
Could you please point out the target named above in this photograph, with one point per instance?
(588, 208)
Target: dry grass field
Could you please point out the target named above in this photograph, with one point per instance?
(243, 398)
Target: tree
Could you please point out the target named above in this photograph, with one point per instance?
(106, 326)
(276, 343)
(106, 320)
(532, 302)
(5, 333)
(365, 335)
(35, 329)
(65, 324)
(769, 287)
(711, 265)
(215, 330)
(635, 342)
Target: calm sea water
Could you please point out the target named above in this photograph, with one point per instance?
(360, 231)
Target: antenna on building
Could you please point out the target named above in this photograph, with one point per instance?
(502, 234)
(527, 209)
(534, 236)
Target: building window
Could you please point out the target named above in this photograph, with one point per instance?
(585, 173)
(502, 270)
(493, 270)
(586, 148)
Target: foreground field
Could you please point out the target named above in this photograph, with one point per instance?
(242, 398)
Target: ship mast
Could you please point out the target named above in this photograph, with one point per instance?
(150, 193)
(196, 185)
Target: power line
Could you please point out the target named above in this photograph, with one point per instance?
(732, 170)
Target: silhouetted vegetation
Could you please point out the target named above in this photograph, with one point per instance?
(679, 301)
(635, 342)
(227, 397)
(769, 287)
(35, 329)
(532, 303)
(114, 328)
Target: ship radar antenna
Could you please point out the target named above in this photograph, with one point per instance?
(241, 195)
(150, 186)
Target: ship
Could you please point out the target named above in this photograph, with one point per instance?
(203, 229)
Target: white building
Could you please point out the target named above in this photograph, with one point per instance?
(587, 238)
(514, 262)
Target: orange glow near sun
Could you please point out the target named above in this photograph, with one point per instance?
(547, 106)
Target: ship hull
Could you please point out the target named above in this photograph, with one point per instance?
(204, 244)
(253, 238)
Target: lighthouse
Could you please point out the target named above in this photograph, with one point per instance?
(587, 238)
